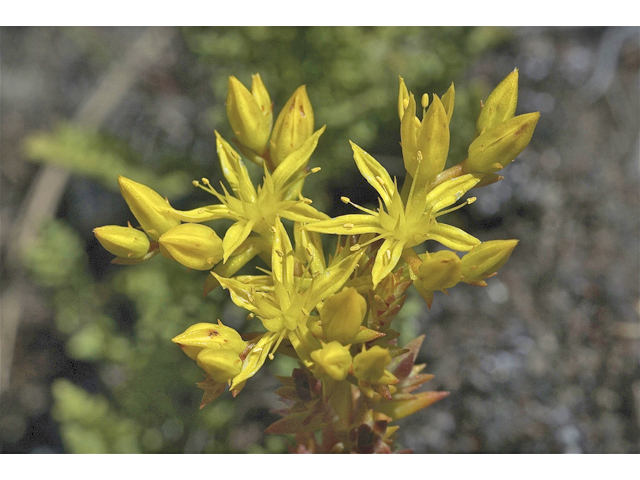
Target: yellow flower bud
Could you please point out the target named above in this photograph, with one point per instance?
(369, 365)
(486, 259)
(149, 208)
(126, 242)
(248, 114)
(193, 245)
(260, 93)
(333, 360)
(221, 363)
(293, 126)
(501, 104)
(403, 98)
(439, 271)
(342, 314)
(208, 335)
(432, 142)
(500, 145)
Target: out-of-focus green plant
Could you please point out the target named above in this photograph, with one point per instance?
(118, 326)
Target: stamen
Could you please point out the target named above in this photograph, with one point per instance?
(278, 342)
(365, 210)
(354, 248)
(315, 169)
(468, 201)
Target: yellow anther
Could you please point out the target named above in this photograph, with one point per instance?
(348, 226)
(345, 200)
(206, 181)
(424, 101)
(315, 169)
(354, 248)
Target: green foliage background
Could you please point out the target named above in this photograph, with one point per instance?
(117, 322)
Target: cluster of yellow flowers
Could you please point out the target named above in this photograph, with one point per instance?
(331, 313)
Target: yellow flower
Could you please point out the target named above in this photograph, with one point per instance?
(285, 301)
(402, 224)
(255, 209)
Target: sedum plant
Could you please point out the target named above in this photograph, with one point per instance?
(326, 291)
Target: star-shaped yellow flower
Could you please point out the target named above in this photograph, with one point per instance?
(284, 301)
(255, 209)
(402, 224)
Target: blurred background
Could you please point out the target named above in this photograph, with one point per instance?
(543, 360)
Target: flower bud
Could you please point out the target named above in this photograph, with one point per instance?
(249, 116)
(439, 271)
(293, 126)
(126, 242)
(208, 335)
(499, 146)
(432, 142)
(260, 93)
(342, 314)
(501, 104)
(333, 360)
(221, 363)
(486, 259)
(149, 208)
(403, 98)
(193, 245)
(369, 365)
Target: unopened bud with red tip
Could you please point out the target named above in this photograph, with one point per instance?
(208, 335)
(342, 315)
(221, 364)
(150, 209)
(486, 259)
(248, 114)
(500, 145)
(293, 126)
(125, 242)
(193, 245)
(501, 104)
